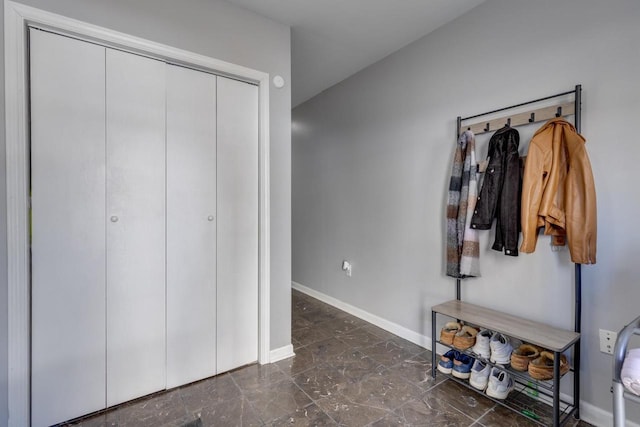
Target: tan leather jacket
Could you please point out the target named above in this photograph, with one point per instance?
(558, 192)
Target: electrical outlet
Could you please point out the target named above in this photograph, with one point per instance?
(347, 267)
(607, 341)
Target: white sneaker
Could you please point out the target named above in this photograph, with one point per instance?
(482, 348)
(500, 349)
(500, 384)
(479, 375)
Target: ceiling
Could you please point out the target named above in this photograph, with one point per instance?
(333, 39)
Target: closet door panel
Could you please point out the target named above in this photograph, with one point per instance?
(237, 224)
(68, 220)
(135, 120)
(191, 225)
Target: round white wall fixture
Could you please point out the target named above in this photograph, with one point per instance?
(278, 82)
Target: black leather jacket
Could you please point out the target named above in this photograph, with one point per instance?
(500, 193)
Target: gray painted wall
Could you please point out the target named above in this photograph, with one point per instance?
(372, 158)
(218, 30)
(3, 247)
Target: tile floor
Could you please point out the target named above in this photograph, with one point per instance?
(346, 372)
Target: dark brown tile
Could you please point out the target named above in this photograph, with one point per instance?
(299, 322)
(277, 400)
(258, 377)
(305, 306)
(385, 390)
(302, 361)
(502, 417)
(318, 318)
(418, 371)
(308, 416)
(388, 353)
(358, 338)
(355, 366)
(328, 308)
(463, 399)
(156, 411)
(426, 412)
(408, 346)
(348, 413)
(209, 392)
(187, 421)
(317, 312)
(194, 422)
(105, 419)
(295, 343)
(385, 335)
(237, 412)
(306, 336)
(339, 326)
(327, 351)
(345, 371)
(320, 381)
(299, 299)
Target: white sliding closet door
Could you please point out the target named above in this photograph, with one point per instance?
(144, 183)
(135, 122)
(191, 225)
(237, 224)
(68, 220)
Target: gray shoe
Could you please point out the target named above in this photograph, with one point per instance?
(500, 384)
(482, 348)
(479, 375)
(500, 349)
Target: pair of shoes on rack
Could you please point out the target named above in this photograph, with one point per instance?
(465, 338)
(541, 368)
(456, 363)
(500, 349)
(500, 384)
(449, 331)
(523, 355)
(497, 382)
(482, 347)
(493, 346)
(479, 377)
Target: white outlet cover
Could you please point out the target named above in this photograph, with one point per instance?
(607, 341)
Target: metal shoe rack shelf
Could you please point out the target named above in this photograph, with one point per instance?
(527, 389)
(529, 393)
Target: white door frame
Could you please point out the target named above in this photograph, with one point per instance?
(17, 18)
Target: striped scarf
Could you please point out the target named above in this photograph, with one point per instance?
(463, 249)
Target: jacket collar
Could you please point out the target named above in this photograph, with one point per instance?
(556, 121)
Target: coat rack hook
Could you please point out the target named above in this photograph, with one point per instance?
(509, 121)
(486, 129)
(532, 118)
(469, 128)
(559, 112)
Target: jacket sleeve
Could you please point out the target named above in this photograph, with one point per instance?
(580, 205)
(532, 188)
(485, 209)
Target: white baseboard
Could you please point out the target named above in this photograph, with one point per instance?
(281, 353)
(385, 324)
(588, 412)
